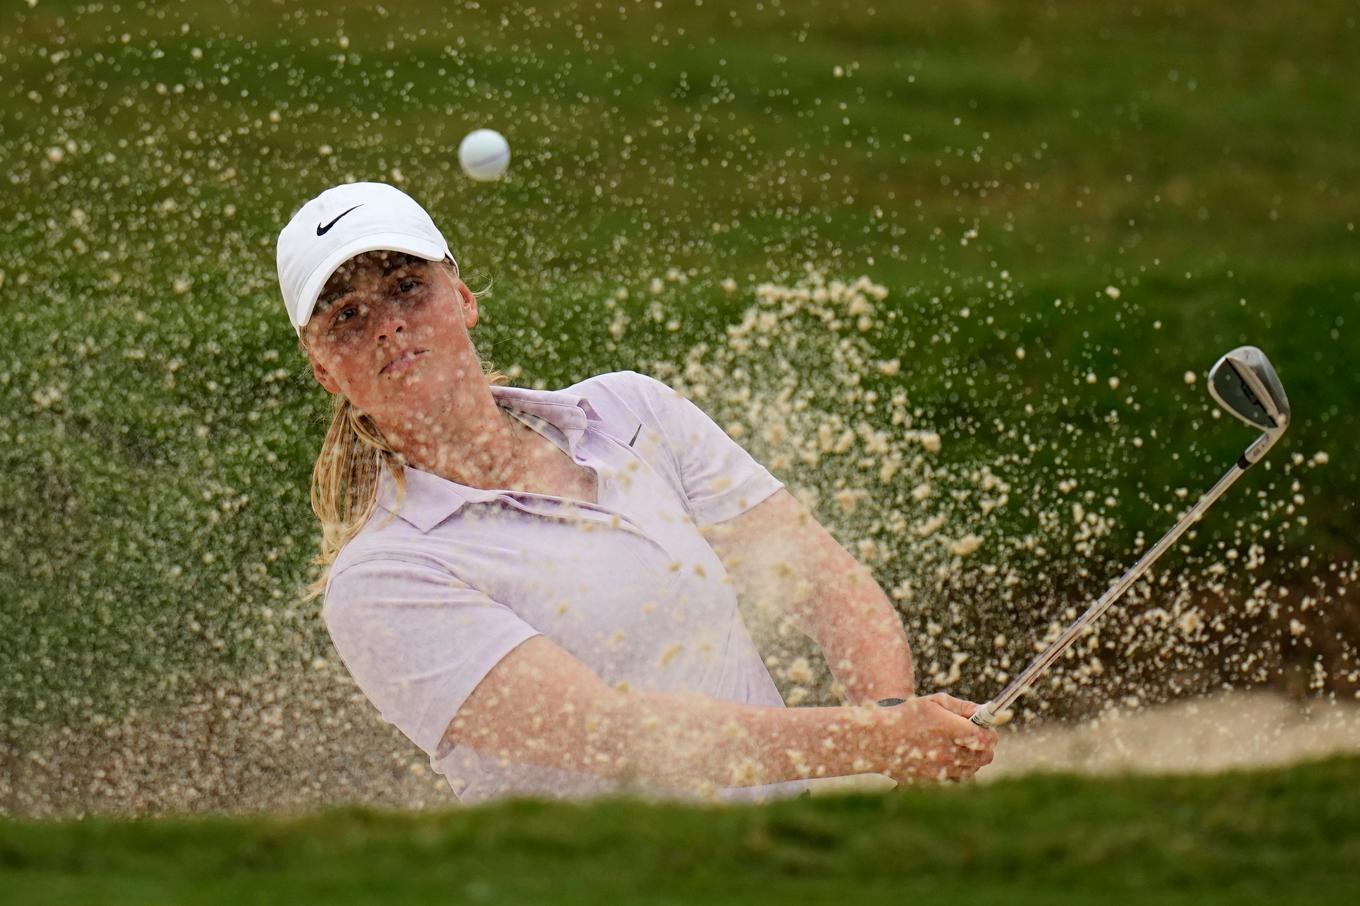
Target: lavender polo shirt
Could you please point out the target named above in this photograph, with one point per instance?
(423, 605)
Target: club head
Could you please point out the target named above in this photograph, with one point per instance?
(1245, 383)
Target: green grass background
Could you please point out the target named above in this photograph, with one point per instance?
(1274, 836)
(157, 425)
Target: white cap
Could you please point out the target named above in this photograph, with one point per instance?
(345, 221)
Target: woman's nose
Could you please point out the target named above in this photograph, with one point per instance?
(391, 325)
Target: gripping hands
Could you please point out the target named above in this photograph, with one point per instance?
(932, 738)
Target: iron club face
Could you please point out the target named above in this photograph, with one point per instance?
(1245, 383)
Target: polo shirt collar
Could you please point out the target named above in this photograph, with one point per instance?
(430, 499)
(569, 411)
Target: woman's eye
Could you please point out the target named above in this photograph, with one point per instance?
(345, 313)
(408, 284)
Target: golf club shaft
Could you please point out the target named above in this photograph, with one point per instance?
(986, 715)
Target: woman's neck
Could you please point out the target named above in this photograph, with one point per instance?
(476, 444)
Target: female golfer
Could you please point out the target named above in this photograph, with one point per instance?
(539, 588)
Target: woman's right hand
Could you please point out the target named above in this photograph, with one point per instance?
(932, 738)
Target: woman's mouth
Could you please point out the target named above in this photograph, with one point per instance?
(403, 361)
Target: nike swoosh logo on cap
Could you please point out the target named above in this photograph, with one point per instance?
(323, 230)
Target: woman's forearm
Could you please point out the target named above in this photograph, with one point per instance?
(693, 742)
(542, 706)
(780, 556)
(861, 637)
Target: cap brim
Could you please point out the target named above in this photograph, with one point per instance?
(392, 242)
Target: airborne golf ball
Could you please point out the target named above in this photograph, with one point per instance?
(484, 154)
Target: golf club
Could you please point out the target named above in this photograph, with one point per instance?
(1242, 382)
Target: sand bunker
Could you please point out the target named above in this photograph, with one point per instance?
(1206, 735)
(1233, 730)
(261, 747)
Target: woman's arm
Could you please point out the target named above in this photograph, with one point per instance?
(778, 553)
(541, 705)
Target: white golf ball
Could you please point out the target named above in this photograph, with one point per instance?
(484, 154)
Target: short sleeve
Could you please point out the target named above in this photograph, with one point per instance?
(417, 641)
(721, 480)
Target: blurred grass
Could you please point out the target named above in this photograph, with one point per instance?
(157, 425)
(1272, 836)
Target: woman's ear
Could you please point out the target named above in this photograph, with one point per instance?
(469, 301)
(324, 377)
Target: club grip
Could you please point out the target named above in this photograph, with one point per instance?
(984, 716)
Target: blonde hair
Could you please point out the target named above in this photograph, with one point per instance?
(345, 477)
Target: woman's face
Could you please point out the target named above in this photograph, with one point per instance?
(390, 332)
